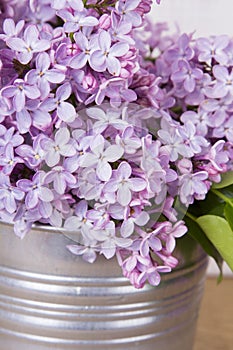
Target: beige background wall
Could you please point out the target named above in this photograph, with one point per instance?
(207, 16)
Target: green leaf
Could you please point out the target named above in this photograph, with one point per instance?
(212, 204)
(195, 231)
(220, 234)
(228, 213)
(226, 180)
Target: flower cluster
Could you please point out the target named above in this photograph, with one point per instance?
(105, 135)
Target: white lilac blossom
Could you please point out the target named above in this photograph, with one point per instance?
(60, 146)
(108, 134)
(100, 157)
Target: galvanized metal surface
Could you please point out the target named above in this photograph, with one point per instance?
(51, 299)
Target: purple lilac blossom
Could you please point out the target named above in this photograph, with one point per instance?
(106, 56)
(19, 91)
(29, 45)
(43, 76)
(77, 154)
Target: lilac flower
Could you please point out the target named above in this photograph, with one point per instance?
(106, 56)
(99, 216)
(60, 209)
(213, 49)
(135, 217)
(198, 96)
(89, 83)
(173, 142)
(61, 178)
(109, 240)
(169, 260)
(89, 186)
(226, 129)
(144, 7)
(85, 49)
(9, 136)
(185, 166)
(128, 140)
(61, 56)
(152, 274)
(126, 9)
(87, 250)
(65, 110)
(60, 146)
(110, 176)
(35, 113)
(34, 154)
(195, 142)
(9, 195)
(24, 120)
(100, 157)
(6, 108)
(173, 232)
(42, 75)
(215, 161)
(117, 90)
(104, 119)
(41, 12)
(79, 222)
(130, 268)
(218, 155)
(187, 75)
(138, 269)
(39, 114)
(180, 50)
(35, 190)
(22, 227)
(150, 161)
(120, 30)
(19, 91)
(81, 144)
(148, 89)
(193, 186)
(150, 241)
(11, 29)
(29, 45)
(123, 184)
(201, 120)
(224, 84)
(218, 110)
(168, 210)
(74, 4)
(8, 160)
(73, 21)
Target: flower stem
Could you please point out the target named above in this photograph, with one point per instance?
(189, 215)
(192, 217)
(222, 196)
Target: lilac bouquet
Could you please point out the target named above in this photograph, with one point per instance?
(115, 132)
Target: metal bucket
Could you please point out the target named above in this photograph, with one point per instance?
(51, 299)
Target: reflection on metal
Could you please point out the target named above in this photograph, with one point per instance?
(51, 299)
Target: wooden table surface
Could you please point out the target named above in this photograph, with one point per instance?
(215, 324)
